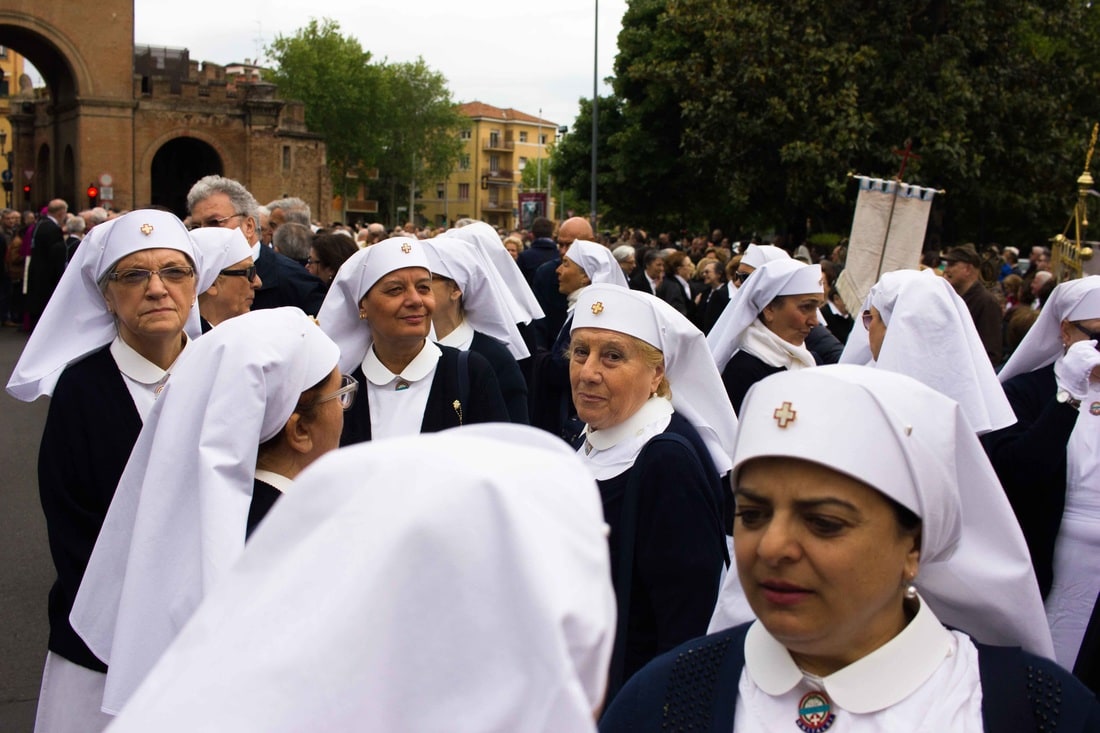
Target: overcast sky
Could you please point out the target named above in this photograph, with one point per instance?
(506, 53)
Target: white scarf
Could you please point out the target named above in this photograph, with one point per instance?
(774, 351)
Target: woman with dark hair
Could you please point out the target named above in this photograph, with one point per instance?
(888, 582)
(379, 312)
(327, 253)
(675, 289)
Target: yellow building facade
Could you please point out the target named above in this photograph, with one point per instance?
(500, 143)
(11, 69)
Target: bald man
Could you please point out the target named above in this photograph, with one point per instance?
(545, 281)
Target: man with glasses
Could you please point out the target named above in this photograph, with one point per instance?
(215, 201)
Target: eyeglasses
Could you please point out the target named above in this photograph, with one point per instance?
(346, 394)
(214, 221)
(741, 276)
(135, 277)
(867, 320)
(248, 272)
(1093, 335)
(312, 261)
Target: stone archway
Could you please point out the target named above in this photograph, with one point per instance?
(85, 120)
(176, 166)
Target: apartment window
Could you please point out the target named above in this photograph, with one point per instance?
(522, 162)
(494, 163)
(494, 139)
(466, 134)
(286, 158)
(440, 191)
(542, 139)
(523, 137)
(464, 162)
(464, 190)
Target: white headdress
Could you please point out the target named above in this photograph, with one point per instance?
(597, 262)
(781, 276)
(76, 321)
(484, 293)
(1076, 300)
(526, 306)
(693, 377)
(177, 522)
(914, 445)
(371, 598)
(931, 337)
(339, 314)
(758, 254)
(221, 248)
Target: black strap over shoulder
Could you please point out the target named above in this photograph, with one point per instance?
(463, 380)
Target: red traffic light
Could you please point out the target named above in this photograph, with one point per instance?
(26, 188)
(93, 192)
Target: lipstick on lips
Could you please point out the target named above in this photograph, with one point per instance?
(782, 593)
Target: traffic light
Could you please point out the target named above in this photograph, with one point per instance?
(27, 192)
(93, 196)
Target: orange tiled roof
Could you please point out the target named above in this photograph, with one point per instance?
(480, 109)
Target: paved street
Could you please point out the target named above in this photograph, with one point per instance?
(25, 568)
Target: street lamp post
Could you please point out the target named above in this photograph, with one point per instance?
(7, 169)
(562, 129)
(595, 104)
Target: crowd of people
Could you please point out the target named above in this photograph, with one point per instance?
(306, 477)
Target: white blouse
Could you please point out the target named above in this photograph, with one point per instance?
(924, 680)
(610, 451)
(143, 378)
(397, 401)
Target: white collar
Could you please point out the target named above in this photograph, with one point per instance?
(836, 311)
(421, 366)
(654, 409)
(137, 367)
(883, 678)
(277, 481)
(571, 299)
(460, 338)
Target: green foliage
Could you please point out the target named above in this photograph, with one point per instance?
(753, 112)
(396, 117)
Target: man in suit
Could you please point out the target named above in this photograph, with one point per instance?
(47, 260)
(649, 277)
(215, 201)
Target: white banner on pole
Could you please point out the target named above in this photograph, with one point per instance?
(887, 234)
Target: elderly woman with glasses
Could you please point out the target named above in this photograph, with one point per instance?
(228, 281)
(111, 332)
(765, 326)
(254, 402)
(1049, 461)
(379, 312)
(888, 581)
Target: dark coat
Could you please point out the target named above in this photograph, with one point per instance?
(679, 544)
(988, 319)
(551, 397)
(46, 265)
(741, 372)
(672, 292)
(695, 687)
(1030, 460)
(513, 387)
(540, 251)
(285, 282)
(554, 307)
(485, 403)
(711, 307)
(91, 428)
(264, 496)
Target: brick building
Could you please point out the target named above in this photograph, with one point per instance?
(145, 123)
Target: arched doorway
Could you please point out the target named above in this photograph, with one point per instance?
(176, 167)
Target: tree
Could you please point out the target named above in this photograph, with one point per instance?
(571, 164)
(342, 91)
(398, 118)
(772, 104)
(422, 125)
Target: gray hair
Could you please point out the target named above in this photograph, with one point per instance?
(293, 240)
(243, 201)
(75, 225)
(622, 252)
(465, 221)
(297, 211)
(98, 215)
